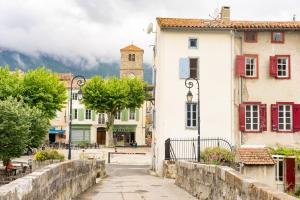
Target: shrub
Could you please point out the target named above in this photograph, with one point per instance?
(83, 144)
(217, 155)
(48, 154)
(280, 150)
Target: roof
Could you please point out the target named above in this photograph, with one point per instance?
(131, 48)
(221, 24)
(254, 156)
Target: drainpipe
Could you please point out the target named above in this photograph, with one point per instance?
(241, 89)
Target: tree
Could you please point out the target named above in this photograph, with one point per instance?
(10, 83)
(39, 126)
(111, 96)
(43, 90)
(14, 128)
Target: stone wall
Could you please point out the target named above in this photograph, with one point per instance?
(63, 180)
(210, 182)
(169, 169)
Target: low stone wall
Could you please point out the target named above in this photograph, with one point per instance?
(63, 180)
(40, 164)
(210, 182)
(169, 169)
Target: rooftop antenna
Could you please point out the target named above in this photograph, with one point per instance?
(150, 28)
(215, 15)
(294, 17)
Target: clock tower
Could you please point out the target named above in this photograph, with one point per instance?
(132, 62)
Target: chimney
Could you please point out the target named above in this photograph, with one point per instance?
(225, 13)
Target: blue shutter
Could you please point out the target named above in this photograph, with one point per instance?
(184, 68)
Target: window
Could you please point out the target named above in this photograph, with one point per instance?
(75, 114)
(251, 66)
(101, 118)
(285, 117)
(280, 66)
(252, 117)
(250, 37)
(74, 96)
(191, 115)
(283, 67)
(193, 43)
(118, 115)
(88, 114)
(277, 37)
(193, 67)
(132, 114)
(279, 168)
(131, 57)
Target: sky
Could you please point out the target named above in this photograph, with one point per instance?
(97, 29)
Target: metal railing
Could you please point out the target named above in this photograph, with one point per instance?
(186, 148)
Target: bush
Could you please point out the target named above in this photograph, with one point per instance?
(83, 144)
(48, 154)
(280, 150)
(217, 155)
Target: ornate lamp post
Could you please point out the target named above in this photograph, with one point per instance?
(80, 82)
(189, 84)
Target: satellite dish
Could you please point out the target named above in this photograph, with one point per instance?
(150, 28)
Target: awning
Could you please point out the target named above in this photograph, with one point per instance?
(124, 128)
(53, 131)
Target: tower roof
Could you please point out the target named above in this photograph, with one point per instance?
(131, 48)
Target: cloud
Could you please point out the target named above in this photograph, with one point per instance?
(97, 29)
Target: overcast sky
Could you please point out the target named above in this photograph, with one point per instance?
(97, 29)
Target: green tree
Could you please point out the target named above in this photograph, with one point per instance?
(39, 126)
(14, 128)
(111, 96)
(10, 83)
(43, 90)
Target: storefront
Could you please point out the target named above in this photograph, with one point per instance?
(124, 135)
(81, 133)
(56, 136)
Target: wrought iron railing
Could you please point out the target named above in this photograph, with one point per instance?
(186, 148)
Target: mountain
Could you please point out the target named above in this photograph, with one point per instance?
(57, 64)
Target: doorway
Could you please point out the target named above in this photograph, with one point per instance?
(51, 138)
(101, 136)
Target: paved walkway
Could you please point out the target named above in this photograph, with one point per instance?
(133, 182)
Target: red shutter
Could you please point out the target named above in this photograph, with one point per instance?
(290, 168)
(273, 66)
(242, 117)
(240, 65)
(274, 117)
(263, 117)
(296, 117)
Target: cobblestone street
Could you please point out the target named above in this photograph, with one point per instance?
(133, 182)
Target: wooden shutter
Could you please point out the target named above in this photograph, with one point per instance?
(296, 117)
(93, 115)
(240, 65)
(193, 67)
(184, 68)
(263, 117)
(273, 66)
(242, 117)
(124, 115)
(290, 168)
(73, 113)
(137, 114)
(80, 114)
(274, 117)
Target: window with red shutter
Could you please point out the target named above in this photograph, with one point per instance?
(263, 117)
(240, 65)
(273, 66)
(296, 117)
(242, 117)
(274, 117)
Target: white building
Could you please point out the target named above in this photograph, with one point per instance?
(249, 83)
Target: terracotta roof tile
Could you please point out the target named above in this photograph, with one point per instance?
(220, 24)
(131, 48)
(254, 156)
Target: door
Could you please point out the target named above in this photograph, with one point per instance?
(51, 138)
(101, 136)
(290, 168)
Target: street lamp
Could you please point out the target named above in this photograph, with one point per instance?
(80, 82)
(189, 84)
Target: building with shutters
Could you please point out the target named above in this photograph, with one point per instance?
(249, 81)
(89, 126)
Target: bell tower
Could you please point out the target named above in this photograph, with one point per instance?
(132, 62)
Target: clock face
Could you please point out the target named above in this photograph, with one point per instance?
(131, 75)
